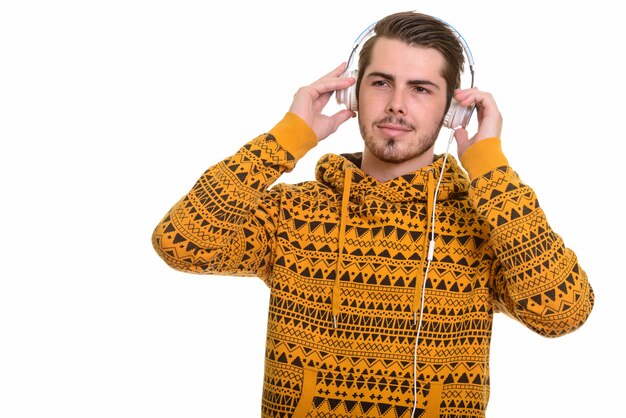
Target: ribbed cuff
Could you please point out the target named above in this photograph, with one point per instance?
(295, 135)
(484, 156)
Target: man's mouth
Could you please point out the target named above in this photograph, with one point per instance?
(393, 129)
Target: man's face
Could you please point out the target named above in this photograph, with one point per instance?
(402, 99)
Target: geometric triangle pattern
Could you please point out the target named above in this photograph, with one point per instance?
(494, 251)
(539, 281)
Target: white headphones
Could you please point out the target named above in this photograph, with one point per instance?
(457, 116)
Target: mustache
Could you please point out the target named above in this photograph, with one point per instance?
(395, 121)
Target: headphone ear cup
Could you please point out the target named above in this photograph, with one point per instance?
(347, 96)
(458, 116)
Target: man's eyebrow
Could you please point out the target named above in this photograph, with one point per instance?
(411, 82)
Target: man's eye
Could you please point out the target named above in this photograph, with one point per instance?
(420, 89)
(379, 83)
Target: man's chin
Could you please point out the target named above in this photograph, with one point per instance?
(392, 154)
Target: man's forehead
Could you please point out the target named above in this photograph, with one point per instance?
(392, 56)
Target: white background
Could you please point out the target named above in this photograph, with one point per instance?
(110, 110)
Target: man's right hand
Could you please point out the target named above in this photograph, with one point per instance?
(309, 101)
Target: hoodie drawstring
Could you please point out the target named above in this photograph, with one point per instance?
(428, 245)
(345, 199)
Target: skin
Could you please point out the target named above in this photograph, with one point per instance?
(390, 94)
(401, 105)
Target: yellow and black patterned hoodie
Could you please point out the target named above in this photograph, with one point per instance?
(351, 285)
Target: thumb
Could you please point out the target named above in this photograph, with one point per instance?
(341, 117)
(461, 135)
(462, 140)
(326, 125)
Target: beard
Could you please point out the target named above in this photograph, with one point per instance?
(392, 150)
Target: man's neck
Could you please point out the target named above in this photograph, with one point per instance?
(384, 171)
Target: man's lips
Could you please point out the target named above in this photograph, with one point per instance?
(393, 129)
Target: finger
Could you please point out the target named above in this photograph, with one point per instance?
(487, 112)
(336, 72)
(341, 117)
(322, 100)
(466, 97)
(480, 98)
(331, 84)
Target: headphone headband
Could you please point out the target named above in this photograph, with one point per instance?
(369, 31)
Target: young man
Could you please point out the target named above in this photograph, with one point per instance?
(383, 283)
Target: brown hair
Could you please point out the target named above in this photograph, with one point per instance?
(417, 29)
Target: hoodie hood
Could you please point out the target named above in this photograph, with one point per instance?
(412, 187)
(342, 174)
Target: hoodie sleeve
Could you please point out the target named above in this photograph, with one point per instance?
(226, 223)
(536, 279)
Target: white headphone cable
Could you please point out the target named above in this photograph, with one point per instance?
(431, 251)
